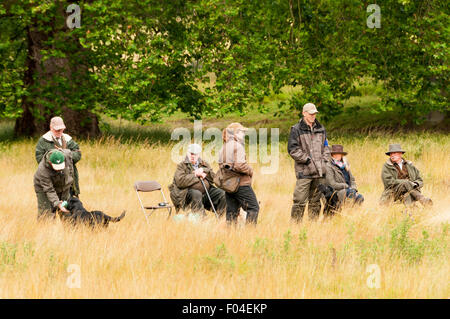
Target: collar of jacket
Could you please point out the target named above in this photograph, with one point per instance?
(333, 161)
(48, 136)
(200, 161)
(317, 127)
(389, 162)
(233, 138)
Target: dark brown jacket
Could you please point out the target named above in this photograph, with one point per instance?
(309, 148)
(185, 178)
(233, 154)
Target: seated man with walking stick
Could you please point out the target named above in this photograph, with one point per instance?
(192, 186)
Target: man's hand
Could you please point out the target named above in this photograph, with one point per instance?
(351, 191)
(62, 208)
(199, 172)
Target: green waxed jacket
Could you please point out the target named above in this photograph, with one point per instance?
(335, 178)
(389, 176)
(54, 184)
(46, 144)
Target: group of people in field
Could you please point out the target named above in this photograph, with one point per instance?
(196, 187)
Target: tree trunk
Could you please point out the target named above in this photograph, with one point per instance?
(36, 117)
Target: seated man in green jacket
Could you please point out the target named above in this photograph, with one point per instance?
(401, 179)
(56, 139)
(52, 182)
(187, 190)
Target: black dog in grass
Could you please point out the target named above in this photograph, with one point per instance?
(331, 199)
(79, 215)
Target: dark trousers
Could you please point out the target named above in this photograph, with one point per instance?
(306, 192)
(244, 198)
(198, 201)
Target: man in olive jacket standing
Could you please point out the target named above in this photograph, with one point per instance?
(308, 146)
(187, 190)
(401, 179)
(56, 139)
(52, 182)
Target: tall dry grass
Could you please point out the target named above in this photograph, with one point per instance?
(277, 259)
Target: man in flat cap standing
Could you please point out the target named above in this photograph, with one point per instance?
(56, 139)
(308, 146)
(187, 190)
(401, 179)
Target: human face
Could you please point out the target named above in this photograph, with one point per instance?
(396, 157)
(337, 157)
(193, 158)
(309, 118)
(57, 133)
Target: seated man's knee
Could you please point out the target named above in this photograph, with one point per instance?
(404, 186)
(194, 200)
(196, 195)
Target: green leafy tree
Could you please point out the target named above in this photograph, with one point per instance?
(409, 53)
(142, 59)
(127, 59)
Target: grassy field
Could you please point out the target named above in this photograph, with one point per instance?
(329, 258)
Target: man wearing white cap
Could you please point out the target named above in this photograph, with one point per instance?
(52, 182)
(308, 146)
(56, 139)
(187, 190)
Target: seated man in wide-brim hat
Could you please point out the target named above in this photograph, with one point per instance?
(340, 178)
(401, 179)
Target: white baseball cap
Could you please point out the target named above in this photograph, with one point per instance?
(310, 108)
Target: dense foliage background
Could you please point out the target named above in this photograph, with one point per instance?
(143, 59)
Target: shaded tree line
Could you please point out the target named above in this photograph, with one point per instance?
(142, 59)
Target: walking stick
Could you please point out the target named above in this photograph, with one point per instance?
(212, 205)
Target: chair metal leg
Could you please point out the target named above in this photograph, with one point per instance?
(142, 206)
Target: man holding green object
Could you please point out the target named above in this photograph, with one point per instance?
(52, 182)
(56, 139)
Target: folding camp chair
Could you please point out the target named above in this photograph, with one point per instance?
(151, 186)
